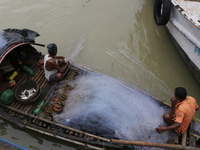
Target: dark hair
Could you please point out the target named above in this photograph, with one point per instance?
(52, 48)
(181, 93)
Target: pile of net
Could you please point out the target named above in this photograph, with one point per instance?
(107, 107)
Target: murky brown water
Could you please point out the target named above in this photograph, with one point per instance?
(121, 40)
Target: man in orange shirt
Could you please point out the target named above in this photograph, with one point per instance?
(184, 108)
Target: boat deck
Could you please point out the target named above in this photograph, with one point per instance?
(22, 115)
(189, 8)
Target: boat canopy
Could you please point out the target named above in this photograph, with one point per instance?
(10, 37)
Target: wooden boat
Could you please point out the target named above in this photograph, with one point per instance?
(182, 19)
(4, 144)
(71, 94)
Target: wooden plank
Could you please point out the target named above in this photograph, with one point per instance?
(26, 107)
(37, 121)
(183, 139)
(38, 44)
(66, 139)
(56, 124)
(81, 135)
(17, 107)
(64, 135)
(36, 75)
(148, 144)
(60, 129)
(14, 103)
(21, 108)
(40, 123)
(176, 139)
(192, 138)
(67, 131)
(39, 76)
(76, 134)
(41, 79)
(71, 132)
(36, 71)
(33, 121)
(11, 118)
(44, 125)
(45, 82)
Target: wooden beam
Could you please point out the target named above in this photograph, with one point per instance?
(148, 144)
(38, 44)
(66, 139)
(183, 139)
(54, 123)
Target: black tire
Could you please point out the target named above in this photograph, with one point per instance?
(162, 9)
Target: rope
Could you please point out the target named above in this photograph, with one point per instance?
(26, 120)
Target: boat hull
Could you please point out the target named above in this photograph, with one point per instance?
(119, 111)
(185, 34)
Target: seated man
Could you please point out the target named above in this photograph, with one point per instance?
(184, 108)
(52, 65)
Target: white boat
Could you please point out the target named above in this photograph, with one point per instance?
(182, 19)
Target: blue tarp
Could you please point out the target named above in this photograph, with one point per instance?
(9, 37)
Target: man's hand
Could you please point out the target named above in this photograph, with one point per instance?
(64, 68)
(160, 129)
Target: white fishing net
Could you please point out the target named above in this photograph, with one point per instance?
(104, 106)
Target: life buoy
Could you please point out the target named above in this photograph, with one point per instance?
(162, 9)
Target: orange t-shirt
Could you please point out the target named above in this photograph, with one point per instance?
(184, 112)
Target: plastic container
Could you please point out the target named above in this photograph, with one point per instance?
(14, 74)
(11, 83)
(28, 70)
(39, 107)
(7, 97)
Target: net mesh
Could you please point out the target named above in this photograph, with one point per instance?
(107, 107)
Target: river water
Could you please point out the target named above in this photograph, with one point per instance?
(118, 38)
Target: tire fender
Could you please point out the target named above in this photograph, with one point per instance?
(162, 9)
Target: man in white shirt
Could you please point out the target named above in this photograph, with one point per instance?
(52, 65)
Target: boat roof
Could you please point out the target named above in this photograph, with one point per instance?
(12, 38)
(190, 9)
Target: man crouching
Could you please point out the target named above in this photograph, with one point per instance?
(184, 108)
(52, 65)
